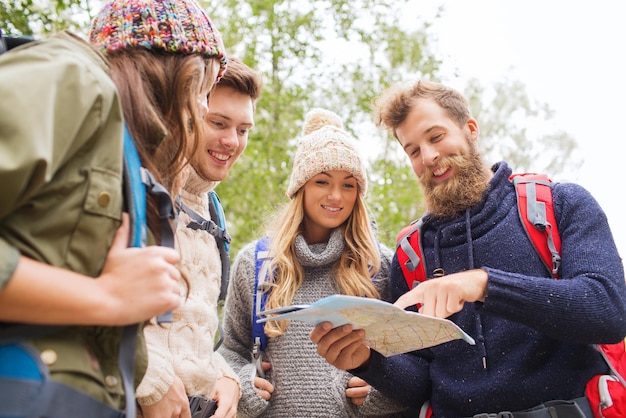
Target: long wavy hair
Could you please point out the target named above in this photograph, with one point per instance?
(159, 93)
(353, 271)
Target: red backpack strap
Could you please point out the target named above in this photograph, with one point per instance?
(409, 252)
(536, 211)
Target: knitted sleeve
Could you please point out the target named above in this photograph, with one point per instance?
(376, 404)
(587, 304)
(160, 372)
(224, 368)
(402, 378)
(237, 346)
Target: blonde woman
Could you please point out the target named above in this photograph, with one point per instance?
(321, 243)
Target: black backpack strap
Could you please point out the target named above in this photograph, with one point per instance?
(167, 215)
(217, 213)
(8, 42)
(3, 44)
(222, 237)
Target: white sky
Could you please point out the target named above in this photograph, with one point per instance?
(571, 55)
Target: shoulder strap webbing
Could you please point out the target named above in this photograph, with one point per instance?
(409, 253)
(262, 287)
(536, 211)
(223, 243)
(3, 44)
(261, 291)
(215, 226)
(222, 239)
(8, 42)
(135, 198)
(165, 206)
(134, 193)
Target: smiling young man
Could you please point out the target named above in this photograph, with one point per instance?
(182, 360)
(534, 334)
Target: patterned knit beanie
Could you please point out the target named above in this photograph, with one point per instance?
(178, 26)
(325, 146)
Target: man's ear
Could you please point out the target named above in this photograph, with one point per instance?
(472, 126)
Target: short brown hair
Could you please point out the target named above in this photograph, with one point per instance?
(396, 102)
(243, 79)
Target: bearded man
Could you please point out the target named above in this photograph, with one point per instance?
(535, 335)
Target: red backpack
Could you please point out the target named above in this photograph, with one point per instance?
(606, 393)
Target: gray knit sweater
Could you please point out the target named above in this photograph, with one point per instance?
(305, 385)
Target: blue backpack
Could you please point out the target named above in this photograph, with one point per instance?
(262, 291)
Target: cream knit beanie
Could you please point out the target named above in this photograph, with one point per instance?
(325, 146)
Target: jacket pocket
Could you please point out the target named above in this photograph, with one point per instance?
(104, 193)
(97, 222)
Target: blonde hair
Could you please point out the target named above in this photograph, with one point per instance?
(353, 272)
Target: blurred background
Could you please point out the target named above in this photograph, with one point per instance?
(545, 81)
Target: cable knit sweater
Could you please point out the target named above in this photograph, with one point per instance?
(533, 333)
(185, 347)
(305, 384)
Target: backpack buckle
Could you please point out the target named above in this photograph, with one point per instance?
(256, 356)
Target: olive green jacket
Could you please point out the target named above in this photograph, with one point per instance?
(61, 162)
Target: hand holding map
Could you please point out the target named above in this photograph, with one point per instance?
(388, 329)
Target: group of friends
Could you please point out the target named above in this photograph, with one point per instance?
(74, 295)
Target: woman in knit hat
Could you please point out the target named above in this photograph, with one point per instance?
(67, 180)
(322, 243)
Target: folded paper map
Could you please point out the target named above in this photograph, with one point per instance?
(388, 329)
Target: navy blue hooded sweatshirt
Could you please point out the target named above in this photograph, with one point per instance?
(533, 333)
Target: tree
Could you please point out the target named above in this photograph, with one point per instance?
(32, 17)
(336, 54)
(294, 44)
(518, 130)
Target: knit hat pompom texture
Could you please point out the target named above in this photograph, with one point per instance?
(325, 146)
(177, 26)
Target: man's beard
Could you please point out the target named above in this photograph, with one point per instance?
(459, 192)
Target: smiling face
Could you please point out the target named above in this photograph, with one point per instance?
(229, 118)
(444, 158)
(329, 199)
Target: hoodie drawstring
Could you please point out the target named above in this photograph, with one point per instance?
(470, 257)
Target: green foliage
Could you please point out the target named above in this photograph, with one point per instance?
(294, 44)
(394, 197)
(336, 54)
(41, 18)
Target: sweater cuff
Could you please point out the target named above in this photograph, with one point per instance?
(156, 382)
(224, 368)
(251, 404)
